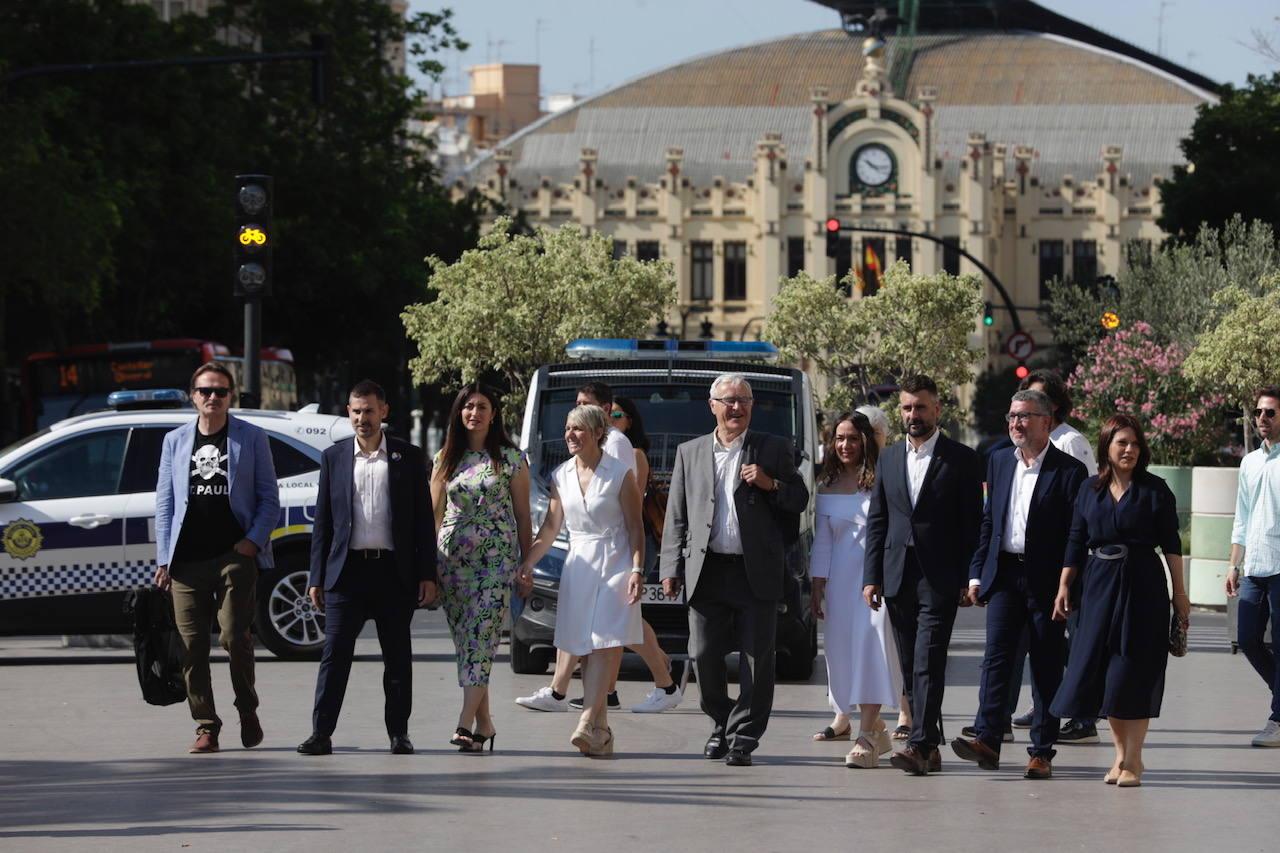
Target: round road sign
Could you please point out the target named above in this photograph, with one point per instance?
(1020, 345)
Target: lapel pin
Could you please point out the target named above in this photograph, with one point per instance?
(395, 457)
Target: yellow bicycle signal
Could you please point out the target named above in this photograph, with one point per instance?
(252, 236)
(1110, 320)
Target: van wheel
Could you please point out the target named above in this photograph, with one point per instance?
(527, 661)
(287, 622)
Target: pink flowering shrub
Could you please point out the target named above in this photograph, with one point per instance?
(1130, 372)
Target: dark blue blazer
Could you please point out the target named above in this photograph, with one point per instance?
(944, 520)
(1048, 521)
(413, 524)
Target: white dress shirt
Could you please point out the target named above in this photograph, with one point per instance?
(726, 536)
(617, 445)
(918, 459)
(1072, 442)
(1024, 484)
(371, 509)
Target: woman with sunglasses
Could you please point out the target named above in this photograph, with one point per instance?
(480, 491)
(1120, 649)
(862, 665)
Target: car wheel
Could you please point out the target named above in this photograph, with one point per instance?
(527, 661)
(288, 624)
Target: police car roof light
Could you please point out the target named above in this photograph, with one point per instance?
(624, 348)
(151, 398)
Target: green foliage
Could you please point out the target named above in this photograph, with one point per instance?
(1174, 291)
(913, 324)
(514, 302)
(125, 179)
(1232, 148)
(1240, 354)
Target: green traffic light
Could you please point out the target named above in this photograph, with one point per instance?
(988, 320)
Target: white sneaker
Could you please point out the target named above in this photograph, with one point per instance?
(542, 700)
(658, 701)
(1269, 736)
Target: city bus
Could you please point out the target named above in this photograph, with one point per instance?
(58, 385)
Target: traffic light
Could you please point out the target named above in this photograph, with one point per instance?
(989, 315)
(833, 237)
(1022, 371)
(254, 236)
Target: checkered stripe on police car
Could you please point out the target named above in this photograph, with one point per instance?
(72, 578)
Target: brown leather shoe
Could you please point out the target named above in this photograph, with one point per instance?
(912, 761)
(972, 749)
(935, 761)
(1039, 767)
(206, 741)
(250, 730)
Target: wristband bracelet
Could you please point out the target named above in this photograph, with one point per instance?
(637, 570)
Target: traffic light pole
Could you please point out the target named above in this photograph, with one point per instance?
(995, 282)
(251, 393)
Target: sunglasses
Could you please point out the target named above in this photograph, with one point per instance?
(213, 391)
(1264, 413)
(618, 415)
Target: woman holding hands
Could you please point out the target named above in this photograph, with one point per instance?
(596, 497)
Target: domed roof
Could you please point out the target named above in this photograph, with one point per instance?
(1064, 98)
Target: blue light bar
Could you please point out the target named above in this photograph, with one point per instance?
(151, 398)
(625, 348)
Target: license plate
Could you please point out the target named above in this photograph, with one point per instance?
(653, 594)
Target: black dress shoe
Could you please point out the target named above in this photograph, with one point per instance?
(401, 745)
(716, 748)
(316, 745)
(738, 758)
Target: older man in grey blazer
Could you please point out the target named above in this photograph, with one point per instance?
(734, 500)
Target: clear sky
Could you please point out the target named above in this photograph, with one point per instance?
(586, 46)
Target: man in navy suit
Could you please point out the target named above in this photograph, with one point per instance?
(373, 556)
(922, 529)
(1015, 573)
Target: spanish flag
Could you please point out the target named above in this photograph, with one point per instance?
(869, 281)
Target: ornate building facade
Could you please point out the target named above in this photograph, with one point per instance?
(1037, 154)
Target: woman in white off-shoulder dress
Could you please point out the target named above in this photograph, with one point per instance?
(862, 667)
(597, 611)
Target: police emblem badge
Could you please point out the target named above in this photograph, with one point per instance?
(22, 539)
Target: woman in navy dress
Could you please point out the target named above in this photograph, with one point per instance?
(1118, 655)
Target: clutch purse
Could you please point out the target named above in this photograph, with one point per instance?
(1177, 637)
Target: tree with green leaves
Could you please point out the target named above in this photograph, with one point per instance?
(118, 184)
(1231, 166)
(913, 324)
(512, 304)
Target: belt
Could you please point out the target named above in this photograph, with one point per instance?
(1009, 555)
(1111, 552)
(716, 555)
(370, 553)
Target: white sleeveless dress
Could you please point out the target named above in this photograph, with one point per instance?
(862, 658)
(592, 611)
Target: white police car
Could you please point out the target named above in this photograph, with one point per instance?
(77, 519)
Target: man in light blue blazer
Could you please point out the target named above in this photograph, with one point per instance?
(217, 501)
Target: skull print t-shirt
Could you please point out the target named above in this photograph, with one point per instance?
(209, 529)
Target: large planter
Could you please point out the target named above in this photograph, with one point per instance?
(1213, 507)
(1179, 478)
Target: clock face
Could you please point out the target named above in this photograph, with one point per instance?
(873, 165)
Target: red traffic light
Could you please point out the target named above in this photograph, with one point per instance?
(833, 225)
(1021, 371)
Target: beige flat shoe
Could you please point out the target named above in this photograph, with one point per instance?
(1130, 778)
(1113, 774)
(601, 742)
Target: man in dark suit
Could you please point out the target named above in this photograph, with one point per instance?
(1015, 572)
(373, 556)
(922, 529)
(734, 500)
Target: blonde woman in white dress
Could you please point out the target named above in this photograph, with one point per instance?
(862, 662)
(598, 612)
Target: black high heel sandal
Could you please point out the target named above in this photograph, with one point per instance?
(463, 739)
(478, 742)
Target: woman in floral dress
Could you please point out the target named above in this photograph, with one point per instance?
(480, 491)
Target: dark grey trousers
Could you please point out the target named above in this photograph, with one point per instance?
(724, 617)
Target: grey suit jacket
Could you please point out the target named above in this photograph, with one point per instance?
(763, 518)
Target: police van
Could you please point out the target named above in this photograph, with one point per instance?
(670, 382)
(77, 519)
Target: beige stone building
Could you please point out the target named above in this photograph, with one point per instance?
(1037, 153)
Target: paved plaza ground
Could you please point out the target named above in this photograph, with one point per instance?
(86, 765)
